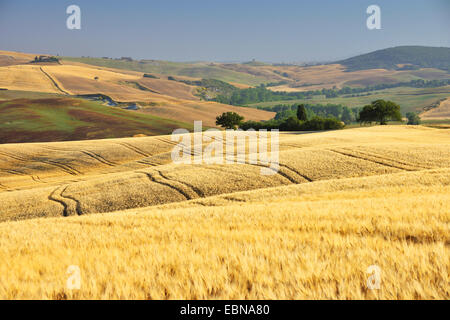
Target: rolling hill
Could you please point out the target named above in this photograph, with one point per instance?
(342, 201)
(391, 58)
(157, 97)
(441, 112)
(191, 70)
(390, 65)
(149, 86)
(62, 119)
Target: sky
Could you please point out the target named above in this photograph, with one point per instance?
(221, 30)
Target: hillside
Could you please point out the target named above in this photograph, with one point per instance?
(62, 119)
(156, 96)
(342, 201)
(382, 66)
(409, 99)
(192, 70)
(441, 112)
(391, 58)
(128, 163)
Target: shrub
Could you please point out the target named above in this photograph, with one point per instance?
(291, 124)
(413, 118)
(147, 75)
(318, 124)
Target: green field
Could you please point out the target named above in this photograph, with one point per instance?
(410, 99)
(195, 70)
(62, 119)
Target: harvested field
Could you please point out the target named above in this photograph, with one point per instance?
(442, 112)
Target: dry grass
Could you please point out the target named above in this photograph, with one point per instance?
(343, 201)
(26, 78)
(440, 113)
(9, 58)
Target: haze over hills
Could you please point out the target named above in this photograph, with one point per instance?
(390, 58)
(180, 93)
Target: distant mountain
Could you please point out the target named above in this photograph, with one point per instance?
(412, 57)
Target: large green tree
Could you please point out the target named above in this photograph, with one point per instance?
(229, 120)
(380, 111)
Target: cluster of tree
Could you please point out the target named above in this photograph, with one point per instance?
(380, 111)
(294, 124)
(337, 111)
(413, 118)
(297, 122)
(45, 59)
(277, 83)
(241, 97)
(229, 120)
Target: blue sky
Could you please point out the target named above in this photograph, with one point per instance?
(225, 30)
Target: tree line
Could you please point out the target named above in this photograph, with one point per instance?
(337, 111)
(379, 111)
(241, 97)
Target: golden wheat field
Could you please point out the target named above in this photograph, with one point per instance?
(141, 227)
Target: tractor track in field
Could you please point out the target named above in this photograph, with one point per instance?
(14, 172)
(37, 179)
(78, 209)
(158, 178)
(199, 192)
(281, 173)
(369, 160)
(98, 157)
(134, 149)
(58, 196)
(291, 145)
(298, 173)
(148, 163)
(12, 156)
(173, 143)
(65, 167)
(90, 154)
(375, 155)
(167, 141)
(57, 199)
